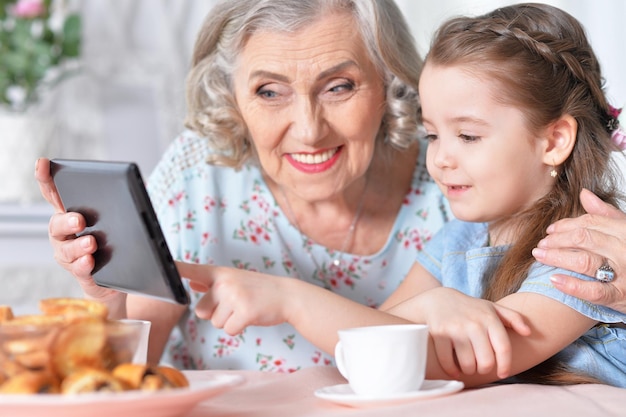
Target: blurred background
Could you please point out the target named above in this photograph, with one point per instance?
(113, 88)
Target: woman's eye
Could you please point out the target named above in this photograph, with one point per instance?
(342, 87)
(265, 93)
(430, 137)
(273, 90)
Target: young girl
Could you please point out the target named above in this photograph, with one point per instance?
(518, 125)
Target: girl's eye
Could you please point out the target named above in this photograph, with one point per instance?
(430, 137)
(469, 138)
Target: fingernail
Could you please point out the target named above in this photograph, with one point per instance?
(85, 243)
(72, 221)
(556, 279)
(539, 253)
(550, 228)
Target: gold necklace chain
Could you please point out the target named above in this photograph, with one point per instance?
(336, 263)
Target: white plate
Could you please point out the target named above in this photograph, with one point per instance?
(165, 403)
(343, 394)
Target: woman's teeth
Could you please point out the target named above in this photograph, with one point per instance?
(318, 158)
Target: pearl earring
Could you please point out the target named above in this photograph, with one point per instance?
(553, 173)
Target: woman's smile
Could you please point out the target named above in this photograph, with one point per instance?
(315, 162)
(314, 158)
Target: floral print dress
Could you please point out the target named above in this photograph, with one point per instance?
(221, 216)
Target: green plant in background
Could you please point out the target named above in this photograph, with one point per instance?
(39, 39)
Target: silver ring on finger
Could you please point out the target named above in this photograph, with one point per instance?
(605, 273)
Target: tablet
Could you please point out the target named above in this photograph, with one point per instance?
(132, 254)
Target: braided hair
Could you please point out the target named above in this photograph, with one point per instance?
(544, 65)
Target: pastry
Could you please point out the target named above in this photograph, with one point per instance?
(79, 344)
(91, 380)
(150, 378)
(31, 382)
(71, 307)
(6, 313)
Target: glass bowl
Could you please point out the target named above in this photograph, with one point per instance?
(57, 346)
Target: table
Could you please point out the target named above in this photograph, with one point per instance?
(276, 395)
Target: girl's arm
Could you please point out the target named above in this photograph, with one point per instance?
(553, 326)
(515, 352)
(468, 334)
(458, 325)
(236, 299)
(416, 282)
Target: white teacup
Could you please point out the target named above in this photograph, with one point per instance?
(140, 355)
(383, 360)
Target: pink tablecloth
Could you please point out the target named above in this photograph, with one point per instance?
(291, 395)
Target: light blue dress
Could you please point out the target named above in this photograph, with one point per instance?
(216, 215)
(458, 256)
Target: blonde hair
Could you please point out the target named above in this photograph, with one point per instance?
(212, 111)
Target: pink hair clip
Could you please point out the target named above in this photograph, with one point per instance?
(615, 125)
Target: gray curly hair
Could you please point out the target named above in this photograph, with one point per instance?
(212, 111)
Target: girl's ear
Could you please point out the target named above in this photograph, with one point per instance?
(559, 140)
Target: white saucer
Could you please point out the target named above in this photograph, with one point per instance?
(343, 394)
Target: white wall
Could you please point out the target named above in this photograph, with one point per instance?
(604, 21)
